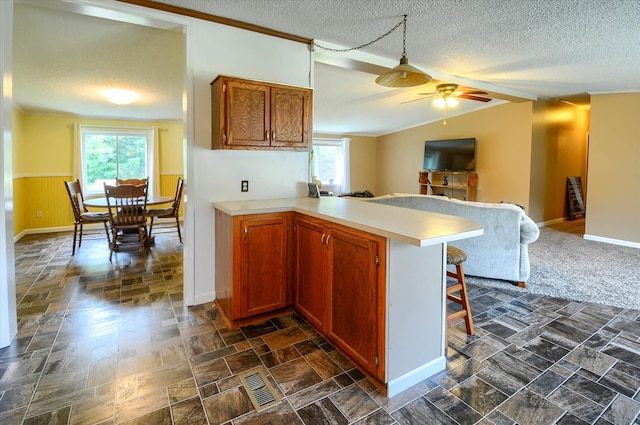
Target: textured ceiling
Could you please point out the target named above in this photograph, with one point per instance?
(544, 48)
(63, 61)
(551, 48)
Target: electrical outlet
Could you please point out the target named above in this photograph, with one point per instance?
(39, 214)
(244, 186)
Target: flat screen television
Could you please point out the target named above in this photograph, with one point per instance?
(450, 155)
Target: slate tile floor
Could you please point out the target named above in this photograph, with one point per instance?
(103, 343)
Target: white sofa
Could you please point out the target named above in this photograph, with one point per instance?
(501, 252)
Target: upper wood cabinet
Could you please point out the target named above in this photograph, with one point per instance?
(256, 115)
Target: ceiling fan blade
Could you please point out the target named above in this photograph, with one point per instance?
(427, 94)
(472, 97)
(476, 92)
(414, 100)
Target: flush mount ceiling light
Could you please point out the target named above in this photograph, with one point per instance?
(403, 75)
(120, 96)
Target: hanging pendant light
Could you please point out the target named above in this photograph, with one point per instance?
(403, 75)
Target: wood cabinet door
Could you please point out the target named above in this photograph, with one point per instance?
(263, 260)
(355, 298)
(290, 117)
(247, 113)
(310, 266)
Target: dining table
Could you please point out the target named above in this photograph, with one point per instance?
(101, 202)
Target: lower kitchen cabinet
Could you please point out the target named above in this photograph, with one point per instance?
(340, 288)
(333, 275)
(253, 272)
(310, 271)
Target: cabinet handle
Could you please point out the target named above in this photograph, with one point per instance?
(322, 239)
(266, 135)
(246, 233)
(328, 236)
(273, 135)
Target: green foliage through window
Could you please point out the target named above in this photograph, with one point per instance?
(107, 156)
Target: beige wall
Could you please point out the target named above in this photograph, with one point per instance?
(613, 209)
(363, 155)
(503, 157)
(558, 150)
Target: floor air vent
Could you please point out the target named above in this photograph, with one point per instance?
(260, 392)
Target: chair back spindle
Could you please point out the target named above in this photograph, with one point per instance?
(81, 214)
(127, 205)
(172, 212)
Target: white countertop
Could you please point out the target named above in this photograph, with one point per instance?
(415, 227)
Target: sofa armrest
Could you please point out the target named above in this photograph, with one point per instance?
(529, 231)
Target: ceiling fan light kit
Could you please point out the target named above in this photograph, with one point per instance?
(446, 98)
(443, 102)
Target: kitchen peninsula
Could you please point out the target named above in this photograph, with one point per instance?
(368, 277)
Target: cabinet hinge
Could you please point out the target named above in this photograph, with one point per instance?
(377, 260)
(377, 361)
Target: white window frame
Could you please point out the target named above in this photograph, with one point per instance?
(339, 167)
(118, 132)
(342, 170)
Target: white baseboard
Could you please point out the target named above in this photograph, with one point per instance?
(91, 226)
(40, 230)
(19, 236)
(611, 241)
(550, 222)
(593, 237)
(408, 380)
(204, 298)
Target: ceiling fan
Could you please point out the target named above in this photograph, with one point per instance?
(447, 95)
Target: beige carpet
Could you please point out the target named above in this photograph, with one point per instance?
(565, 265)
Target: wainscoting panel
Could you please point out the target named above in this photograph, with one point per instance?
(46, 194)
(19, 205)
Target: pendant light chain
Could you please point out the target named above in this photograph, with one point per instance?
(404, 37)
(403, 75)
(404, 20)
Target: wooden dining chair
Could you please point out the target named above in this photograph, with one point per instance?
(135, 182)
(127, 205)
(81, 215)
(169, 212)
